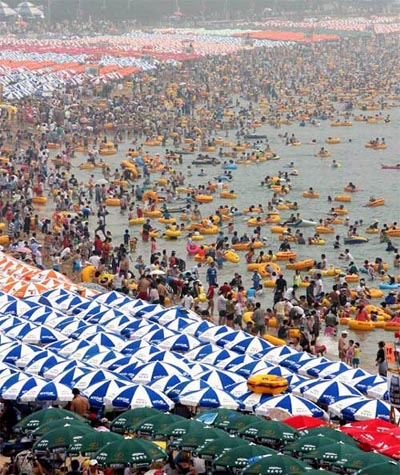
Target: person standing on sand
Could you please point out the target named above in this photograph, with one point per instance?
(342, 346)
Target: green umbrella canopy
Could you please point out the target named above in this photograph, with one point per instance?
(216, 416)
(192, 440)
(38, 418)
(155, 424)
(315, 471)
(365, 459)
(236, 422)
(269, 431)
(337, 454)
(132, 417)
(217, 447)
(387, 468)
(92, 443)
(48, 426)
(62, 437)
(181, 427)
(276, 464)
(240, 456)
(137, 452)
(307, 444)
(334, 434)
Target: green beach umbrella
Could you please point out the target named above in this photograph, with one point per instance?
(92, 443)
(236, 422)
(132, 417)
(315, 471)
(192, 440)
(49, 414)
(269, 432)
(182, 427)
(155, 424)
(217, 447)
(334, 434)
(138, 452)
(364, 459)
(240, 456)
(48, 426)
(276, 465)
(62, 437)
(334, 454)
(307, 444)
(387, 468)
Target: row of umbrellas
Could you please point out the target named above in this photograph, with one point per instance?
(123, 352)
(23, 9)
(226, 438)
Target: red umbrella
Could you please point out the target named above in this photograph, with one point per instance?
(393, 452)
(370, 425)
(303, 422)
(378, 441)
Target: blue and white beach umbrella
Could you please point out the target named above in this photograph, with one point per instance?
(366, 410)
(42, 335)
(42, 365)
(8, 322)
(48, 391)
(220, 379)
(65, 302)
(364, 383)
(327, 392)
(8, 380)
(230, 338)
(70, 347)
(184, 387)
(128, 370)
(104, 359)
(83, 333)
(306, 365)
(104, 317)
(277, 353)
(115, 324)
(326, 370)
(20, 329)
(197, 328)
(250, 400)
(218, 356)
(349, 376)
(234, 361)
(247, 369)
(95, 377)
(113, 298)
(18, 307)
(215, 332)
(139, 329)
(179, 342)
(168, 383)
(151, 371)
(250, 346)
(43, 314)
(379, 391)
(137, 395)
(275, 370)
(131, 347)
(199, 353)
(171, 357)
(295, 360)
(239, 390)
(11, 352)
(68, 377)
(158, 336)
(209, 397)
(146, 352)
(148, 310)
(19, 388)
(178, 325)
(110, 340)
(114, 364)
(97, 392)
(292, 405)
(70, 325)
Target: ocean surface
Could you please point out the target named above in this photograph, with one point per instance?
(358, 164)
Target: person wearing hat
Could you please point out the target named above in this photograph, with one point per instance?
(342, 345)
(93, 468)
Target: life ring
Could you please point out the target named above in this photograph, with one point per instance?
(374, 203)
(40, 200)
(352, 278)
(204, 198)
(310, 194)
(300, 265)
(273, 340)
(149, 194)
(267, 384)
(360, 326)
(209, 230)
(317, 242)
(227, 195)
(134, 221)
(192, 248)
(231, 256)
(343, 198)
(86, 166)
(278, 229)
(113, 202)
(167, 220)
(324, 229)
(152, 214)
(172, 233)
(286, 255)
